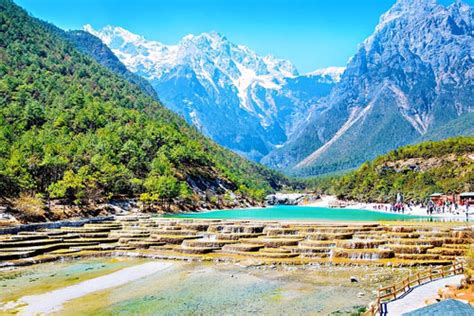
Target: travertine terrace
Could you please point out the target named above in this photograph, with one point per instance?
(263, 242)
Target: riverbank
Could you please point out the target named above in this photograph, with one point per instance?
(331, 201)
(14, 214)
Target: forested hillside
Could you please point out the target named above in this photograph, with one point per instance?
(92, 46)
(70, 128)
(416, 171)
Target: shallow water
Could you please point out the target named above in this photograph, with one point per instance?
(285, 212)
(191, 288)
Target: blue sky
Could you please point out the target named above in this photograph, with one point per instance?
(311, 33)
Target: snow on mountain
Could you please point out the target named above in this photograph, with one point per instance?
(332, 74)
(244, 101)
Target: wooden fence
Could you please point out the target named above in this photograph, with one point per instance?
(398, 289)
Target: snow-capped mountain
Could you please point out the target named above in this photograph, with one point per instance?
(246, 102)
(331, 74)
(410, 80)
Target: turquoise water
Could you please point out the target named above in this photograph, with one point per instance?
(304, 213)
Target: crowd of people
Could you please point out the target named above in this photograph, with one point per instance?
(446, 207)
(396, 207)
(432, 208)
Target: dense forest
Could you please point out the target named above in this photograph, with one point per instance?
(417, 171)
(72, 129)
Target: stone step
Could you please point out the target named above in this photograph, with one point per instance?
(235, 229)
(271, 255)
(363, 254)
(206, 243)
(99, 240)
(274, 242)
(129, 235)
(16, 255)
(317, 255)
(459, 246)
(408, 248)
(447, 251)
(84, 229)
(395, 235)
(24, 237)
(166, 247)
(146, 243)
(360, 244)
(196, 250)
(433, 234)
(467, 233)
(275, 250)
(202, 227)
(237, 236)
(306, 250)
(93, 248)
(90, 235)
(124, 247)
(416, 256)
(44, 233)
(329, 236)
(127, 240)
(419, 241)
(173, 239)
(403, 229)
(241, 247)
(64, 251)
(281, 231)
(174, 232)
(27, 243)
(104, 225)
(318, 243)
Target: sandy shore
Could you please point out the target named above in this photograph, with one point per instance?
(326, 201)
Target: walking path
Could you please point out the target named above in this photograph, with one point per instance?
(416, 298)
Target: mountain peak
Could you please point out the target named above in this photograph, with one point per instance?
(407, 8)
(460, 6)
(212, 35)
(212, 39)
(414, 4)
(332, 74)
(109, 32)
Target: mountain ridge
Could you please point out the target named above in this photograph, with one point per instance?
(412, 75)
(246, 102)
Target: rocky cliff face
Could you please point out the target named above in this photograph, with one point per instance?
(246, 102)
(410, 78)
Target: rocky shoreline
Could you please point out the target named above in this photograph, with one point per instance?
(54, 211)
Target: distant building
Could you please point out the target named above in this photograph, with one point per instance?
(437, 198)
(466, 198)
(461, 199)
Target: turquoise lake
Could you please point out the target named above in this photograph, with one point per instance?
(304, 213)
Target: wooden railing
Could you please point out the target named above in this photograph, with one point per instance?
(398, 289)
